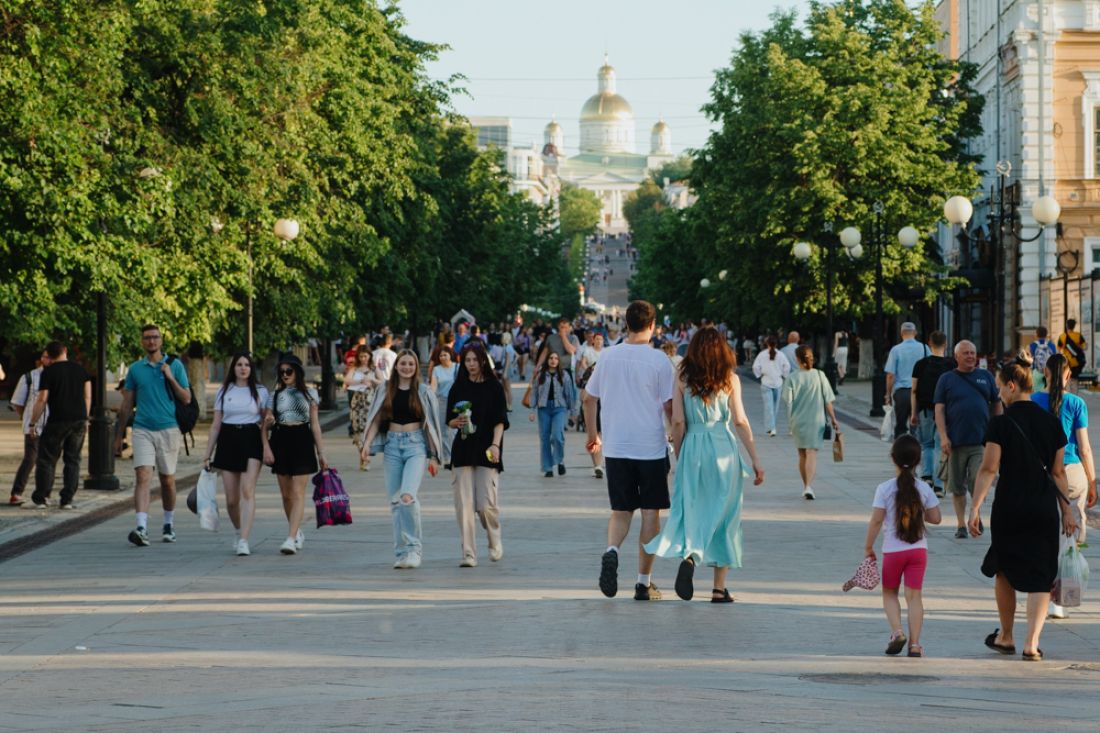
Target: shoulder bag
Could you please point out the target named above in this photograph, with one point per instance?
(823, 383)
(1035, 451)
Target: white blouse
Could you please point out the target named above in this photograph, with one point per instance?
(237, 406)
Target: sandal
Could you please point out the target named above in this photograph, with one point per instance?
(685, 588)
(721, 595)
(897, 643)
(991, 642)
(1035, 656)
(916, 650)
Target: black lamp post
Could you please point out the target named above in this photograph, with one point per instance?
(802, 251)
(101, 455)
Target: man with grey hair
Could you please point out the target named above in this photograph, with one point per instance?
(792, 346)
(899, 375)
(964, 398)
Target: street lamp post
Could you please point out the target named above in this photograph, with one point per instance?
(101, 454)
(850, 238)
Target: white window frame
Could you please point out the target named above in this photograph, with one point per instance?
(1090, 104)
(1091, 246)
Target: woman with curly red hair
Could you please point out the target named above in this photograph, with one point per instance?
(704, 521)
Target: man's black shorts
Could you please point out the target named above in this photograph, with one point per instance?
(635, 484)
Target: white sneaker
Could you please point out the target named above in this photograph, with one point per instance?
(771, 433)
(808, 494)
(288, 547)
(242, 548)
(412, 560)
(401, 563)
(1056, 611)
(299, 540)
(468, 562)
(496, 553)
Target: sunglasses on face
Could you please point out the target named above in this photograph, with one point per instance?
(286, 372)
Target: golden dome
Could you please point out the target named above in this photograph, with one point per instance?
(659, 127)
(553, 127)
(606, 106)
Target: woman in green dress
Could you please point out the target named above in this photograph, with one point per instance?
(704, 521)
(809, 397)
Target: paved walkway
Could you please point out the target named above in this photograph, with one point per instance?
(103, 636)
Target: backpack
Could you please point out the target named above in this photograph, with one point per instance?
(187, 415)
(1041, 351)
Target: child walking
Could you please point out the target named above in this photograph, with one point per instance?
(901, 509)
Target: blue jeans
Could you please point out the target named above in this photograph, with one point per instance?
(771, 406)
(929, 439)
(552, 435)
(406, 458)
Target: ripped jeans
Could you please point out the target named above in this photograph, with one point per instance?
(406, 458)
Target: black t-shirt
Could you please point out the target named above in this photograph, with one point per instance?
(65, 382)
(927, 372)
(1021, 484)
(488, 409)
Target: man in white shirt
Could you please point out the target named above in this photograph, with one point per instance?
(792, 346)
(633, 385)
(385, 357)
(22, 401)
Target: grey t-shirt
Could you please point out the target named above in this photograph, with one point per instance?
(558, 347)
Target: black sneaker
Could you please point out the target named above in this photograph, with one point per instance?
(561, 469)
(139, 537)
(548, 474)
(960, 533)
(646, 593)
(169, 534)
(609, 573)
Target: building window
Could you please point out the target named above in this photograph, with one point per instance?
(1092, 252)
(1090, 120)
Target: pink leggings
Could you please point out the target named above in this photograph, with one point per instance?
(910, 563)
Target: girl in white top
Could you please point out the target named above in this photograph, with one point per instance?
(771, 368)
(361, 380)
(902, 508)
(236, 436)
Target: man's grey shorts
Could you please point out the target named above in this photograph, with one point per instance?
(962, 468)
(160, 448)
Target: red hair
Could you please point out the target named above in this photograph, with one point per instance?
(708, 365)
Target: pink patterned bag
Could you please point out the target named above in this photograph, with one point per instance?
(866, 577)
(332, 502)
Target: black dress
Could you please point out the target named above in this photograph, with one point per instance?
(488, 409)
(1025, 521)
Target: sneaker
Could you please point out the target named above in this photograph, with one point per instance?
(597, 472)
(609, 573)
(401, 563)
(548, 474)
(469, 561)
(139, 537)
(168, 534)
(961, 533)
(771, 433)
(1056, 611)
(939, 492)
(412, 560)
(561, 469)
(242, 548)
(646, 593)
(288, 547)
(15, 500)
(37, 505)
(496, 553)
(67, 505)
(808, 494)
(299, 540)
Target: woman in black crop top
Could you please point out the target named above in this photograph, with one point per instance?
(405, 414)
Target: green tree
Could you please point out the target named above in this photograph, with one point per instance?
(674, 170)
(579, 211)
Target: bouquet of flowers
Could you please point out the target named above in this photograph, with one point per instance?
(465, 409)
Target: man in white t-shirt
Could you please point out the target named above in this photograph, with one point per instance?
(385, 357)
(22, 401)
(633, 386)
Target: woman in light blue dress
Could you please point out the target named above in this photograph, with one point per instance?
(704, 521)
(441, 377)
(809, 397)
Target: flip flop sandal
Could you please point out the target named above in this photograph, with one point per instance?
(897, 643)
(1036, 656)
(723, 596)
(916, 650)
(991, 642)
(685, 588)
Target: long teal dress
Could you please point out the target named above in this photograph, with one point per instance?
(704, 520)
(806, 391)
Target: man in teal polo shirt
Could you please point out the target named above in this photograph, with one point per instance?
(156, 434)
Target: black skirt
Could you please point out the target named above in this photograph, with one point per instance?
(294, 452)
(236, 445)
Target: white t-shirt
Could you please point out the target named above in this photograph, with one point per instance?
(633, 382)
(771, 372)
(384, 359)
(25, 398)
(885, 497)
(591, 356)
(238, 407)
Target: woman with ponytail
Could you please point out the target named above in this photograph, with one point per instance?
(1073, 413)
(771, 370)
(901, 509)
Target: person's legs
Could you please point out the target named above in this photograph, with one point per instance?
(298, 503)
(49, 450)
(485, 503)
(651, 527)
(956, 484)
(618, 527)
(286, 493)
(557, 435)
(769, 409)
(30, 457)
(1006, 608)
(719, 578)
(902, 406)
(143, 477)
(231, 481)
(462, 484)
(1078, 495)
(168, 492)
(811, 467)
(394, 463)
(892, 606)
(407, 503)
(802, 467)
(1036, 616)
(925, 434)
(248, 496)
(915, 606)
(545, 423)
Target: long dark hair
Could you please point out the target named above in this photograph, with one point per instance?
(1056, 383)
(544, 370)
(415, 407)
(708, 365)
(477, 346)
(299, 378)
(909, 508)
(231, 377)
(772, 342)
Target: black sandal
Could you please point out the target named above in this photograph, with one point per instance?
(724, 594)
(685, 588)
(1036, 656)
(991, 642)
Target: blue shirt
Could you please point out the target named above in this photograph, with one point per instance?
(1075, 415)
(460, 341)
(901, 360)
(966, 399)
(156, 409)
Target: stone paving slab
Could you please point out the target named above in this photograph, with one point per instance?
(100, 635)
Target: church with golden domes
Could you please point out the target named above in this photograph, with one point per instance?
(608, 163)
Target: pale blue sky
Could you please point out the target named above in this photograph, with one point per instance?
(557, 46)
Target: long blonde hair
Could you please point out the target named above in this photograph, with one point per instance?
(414, 388)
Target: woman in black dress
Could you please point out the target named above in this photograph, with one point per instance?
(1022, 445)
(476, 458)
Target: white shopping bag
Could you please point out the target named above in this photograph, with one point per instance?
(1073, 574)
(207, 500)
(886, 430)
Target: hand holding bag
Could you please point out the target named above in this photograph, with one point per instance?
(206, 500)
(866, 576)
(1073, 574)
(332, 502)
(886, 430)
(526, 401)
(838, 447)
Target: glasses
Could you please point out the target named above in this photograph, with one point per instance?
(286, 372)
